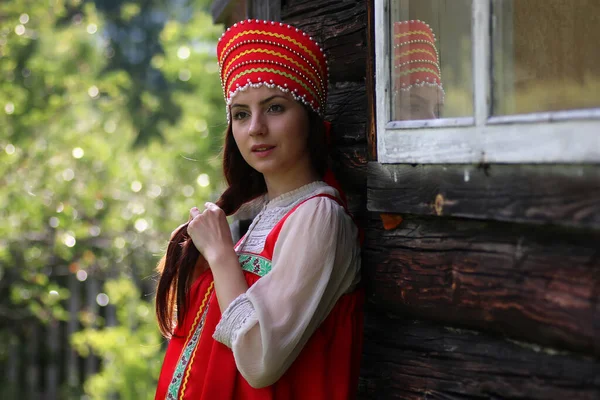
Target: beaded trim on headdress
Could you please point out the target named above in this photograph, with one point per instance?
(416, 58)
(254, 53)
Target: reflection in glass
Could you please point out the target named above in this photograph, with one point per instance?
(545, 56)
(417, 81)
(431, 76)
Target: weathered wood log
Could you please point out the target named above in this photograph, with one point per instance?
(350, 166)
(539, 284)
(407, 359)
(370, 83)
(558, 194)
(347, 112)
(340, 27)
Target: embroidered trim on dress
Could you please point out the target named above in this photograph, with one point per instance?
(254, 263)
(185, 361)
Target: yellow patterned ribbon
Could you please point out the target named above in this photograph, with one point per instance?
(272, 34)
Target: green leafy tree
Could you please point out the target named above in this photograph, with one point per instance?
(111, 120)
(131, 351)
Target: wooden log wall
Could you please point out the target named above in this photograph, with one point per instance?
(470, 250)
(483, 281)
(416, 359)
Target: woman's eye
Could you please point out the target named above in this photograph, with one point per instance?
(276, 108)
(240, 115)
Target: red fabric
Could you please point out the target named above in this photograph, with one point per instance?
(327, 368)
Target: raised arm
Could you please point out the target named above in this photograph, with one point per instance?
(316, 260)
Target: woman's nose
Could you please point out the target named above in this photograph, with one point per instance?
(257, 124)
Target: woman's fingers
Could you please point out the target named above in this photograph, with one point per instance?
(194, 212)
(211, 206)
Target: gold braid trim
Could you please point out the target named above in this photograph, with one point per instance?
(400, 35)
(277, 35)
(200, 311)
(413, 70)
(408, 53)
(273, 53)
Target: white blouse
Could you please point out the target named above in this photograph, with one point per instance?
(316, 260)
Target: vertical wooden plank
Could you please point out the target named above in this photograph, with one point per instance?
(265, 9)
(370, 84)
(32, 377)
(92, 290)
(382, 72)
(13, 365)
(51, 371)
(481, 60)
(74, 304)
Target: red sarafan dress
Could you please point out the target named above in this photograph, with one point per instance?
(297, 332)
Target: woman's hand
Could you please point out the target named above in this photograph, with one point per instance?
(210, 233)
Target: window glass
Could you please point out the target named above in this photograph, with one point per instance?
(431, 67)
(546, 55)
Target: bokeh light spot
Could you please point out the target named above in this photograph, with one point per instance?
(81, 275)
(78, 152)
(99, 204)
(102, 299)
(154, 191)
(69, 240)
(119, 243)
(185, 75)
(94, 230)
(93, 92)
(68, 174)
(141, 225)
(203, 180)
(136, 186)
(183, 52)
(54, 222)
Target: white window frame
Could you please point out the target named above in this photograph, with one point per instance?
(552, 137)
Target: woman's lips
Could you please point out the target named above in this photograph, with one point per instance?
(262, 150)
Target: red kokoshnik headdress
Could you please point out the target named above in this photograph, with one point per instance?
(416, 58)
(254, 53)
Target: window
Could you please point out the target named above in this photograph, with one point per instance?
(469, 81)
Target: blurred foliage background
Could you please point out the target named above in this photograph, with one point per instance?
(111, 121)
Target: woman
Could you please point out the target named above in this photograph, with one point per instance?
(417, 77)
(278, 315)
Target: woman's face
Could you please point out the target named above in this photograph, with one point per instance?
(420, 102)
(271, 130)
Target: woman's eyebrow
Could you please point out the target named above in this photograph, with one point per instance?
(262, 102)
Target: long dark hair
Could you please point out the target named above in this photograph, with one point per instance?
(176, 268)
